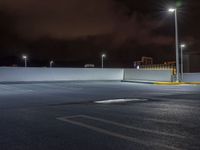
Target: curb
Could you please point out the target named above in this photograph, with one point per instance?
(177, 83)
(141, 82)
(162, 83)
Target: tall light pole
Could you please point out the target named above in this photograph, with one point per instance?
(174, 10)
(25, 60)
(182, 47)
(102, 60)
(51, 63)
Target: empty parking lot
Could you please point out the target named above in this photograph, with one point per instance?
(66, 115)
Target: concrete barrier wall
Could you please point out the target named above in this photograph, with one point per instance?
(147, 75)
(18, 74)
(191, 77)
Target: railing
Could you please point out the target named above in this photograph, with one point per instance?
(160, 67)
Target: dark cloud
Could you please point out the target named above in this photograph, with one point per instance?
(61, 18)
(71, 19)
(126, 29)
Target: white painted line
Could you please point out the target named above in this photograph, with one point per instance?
(162, 121)
(124, 137)
(119, 101)
(132, 127)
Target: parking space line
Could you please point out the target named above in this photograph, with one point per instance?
(131, 127)
(161, 121)
(119, 101)
(114, 134)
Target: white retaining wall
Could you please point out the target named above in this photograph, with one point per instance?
(191, 77)
(18, 74)
(147, 75)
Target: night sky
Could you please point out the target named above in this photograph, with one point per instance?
(76, 32)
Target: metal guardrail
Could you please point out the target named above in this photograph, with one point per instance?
(159, 67)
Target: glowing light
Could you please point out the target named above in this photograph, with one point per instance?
(183, 45)
(103, 55)
(171, 10)
(24, 57)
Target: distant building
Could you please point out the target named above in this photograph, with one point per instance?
(147, 60)
(143, 61)
(170, 63)
(89, 65)
(147, 63)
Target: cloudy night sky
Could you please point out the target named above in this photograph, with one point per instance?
(76, 32)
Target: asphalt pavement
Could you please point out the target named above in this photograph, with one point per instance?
(73, 116)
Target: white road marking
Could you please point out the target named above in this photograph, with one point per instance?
(119, 101)
(161, 121)
(131, 127)
(124, 137)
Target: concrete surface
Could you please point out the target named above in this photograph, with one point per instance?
(147, 75)
(17, 74)
(191, 77)
(60, 116)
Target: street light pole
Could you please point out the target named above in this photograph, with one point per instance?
(102, 60)
(182, 47)
(177, 45)
(25, 60)
(51, 63)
